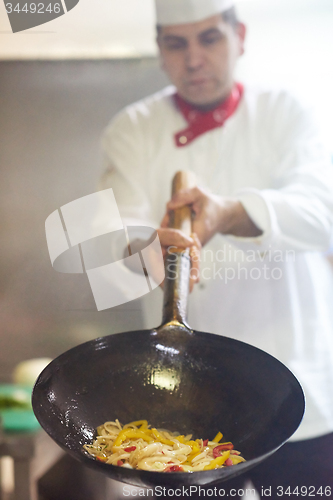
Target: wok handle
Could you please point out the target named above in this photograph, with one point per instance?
(182, 217)
(177, 262)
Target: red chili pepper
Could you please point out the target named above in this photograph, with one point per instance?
(130, 448)
(228, 462)
(205, 442)
(120, 463)
(217, 451)
(173, 468)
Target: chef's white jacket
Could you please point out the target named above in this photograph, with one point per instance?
(274, 291)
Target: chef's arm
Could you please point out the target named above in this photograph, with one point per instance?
(294, 210)
(298, 216)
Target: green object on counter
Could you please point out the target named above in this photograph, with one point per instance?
(15, 409)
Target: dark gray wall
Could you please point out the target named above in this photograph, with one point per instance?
(51, 118)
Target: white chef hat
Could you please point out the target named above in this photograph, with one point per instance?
(169, 12)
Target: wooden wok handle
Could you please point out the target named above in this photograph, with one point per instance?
(177, 262)
(182, 217)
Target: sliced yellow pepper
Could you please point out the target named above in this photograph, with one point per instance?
(217, 462)
(218, 437)
(137, 423)
(191, 456)
(132, 434)
(236, 459)
(196, 450)
(194, 445)
(160, 438)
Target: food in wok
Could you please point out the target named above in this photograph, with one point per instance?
(138, 446)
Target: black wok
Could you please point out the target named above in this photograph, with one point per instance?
(177, 379)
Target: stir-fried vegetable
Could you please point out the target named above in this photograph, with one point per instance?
(136, 445)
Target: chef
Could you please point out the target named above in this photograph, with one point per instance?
(263, 212)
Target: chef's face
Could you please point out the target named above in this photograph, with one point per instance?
(200, 58)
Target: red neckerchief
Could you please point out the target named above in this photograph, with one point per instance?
(200, 122)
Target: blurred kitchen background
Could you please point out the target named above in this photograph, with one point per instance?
(60, 84)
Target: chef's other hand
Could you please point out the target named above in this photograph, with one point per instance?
(214, 214)
(176, 238)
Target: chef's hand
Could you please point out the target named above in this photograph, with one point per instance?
(213, 214)
(170, 238)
